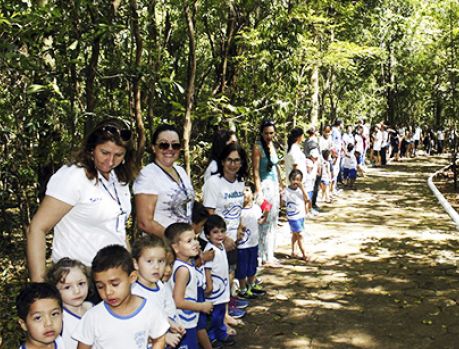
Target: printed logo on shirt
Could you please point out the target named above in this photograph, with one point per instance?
(219, 286)
(232, 212)
(140, 339)
(233, 195)
(94, 200)
(245, 238)
(291, 209)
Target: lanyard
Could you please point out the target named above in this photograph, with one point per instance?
(115, 198)
(181, 185)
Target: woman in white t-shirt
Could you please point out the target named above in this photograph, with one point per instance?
(87, 202)
(163, 191)
(220, 140)
(295, 158)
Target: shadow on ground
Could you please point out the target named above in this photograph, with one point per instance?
(384, 274)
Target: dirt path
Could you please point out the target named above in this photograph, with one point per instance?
(384, 275)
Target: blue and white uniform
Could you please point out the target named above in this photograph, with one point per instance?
(296, 210)
(58, 344)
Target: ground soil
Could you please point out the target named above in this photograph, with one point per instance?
(384, 272)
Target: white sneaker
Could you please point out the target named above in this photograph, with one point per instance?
(315, 212)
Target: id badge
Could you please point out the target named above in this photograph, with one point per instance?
(121, 222)
(189, 208)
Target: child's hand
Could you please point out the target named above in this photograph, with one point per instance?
(207, 307)
(173, 339)
(208, 256)
(229, 244)
(240, 232)
(176, 328)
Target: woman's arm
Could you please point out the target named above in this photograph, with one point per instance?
(256, 156)
(49, 213)
(145, 211)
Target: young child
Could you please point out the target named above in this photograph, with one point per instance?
(325, 182)
(182, 239)
(350, 166)
(247, 246)
(71, 279)
(217, 280)
(149, 255)
(296, 199)
(39, 307)
(122, 320)
(199, 217)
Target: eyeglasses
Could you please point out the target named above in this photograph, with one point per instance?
(233, 161)
(124, 134)
(166, 145)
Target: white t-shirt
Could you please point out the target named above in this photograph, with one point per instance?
(58, 344)
(295, 205)
(188, 318)
(97, 219)
(350, 161)
(220, 275)
(101, 328)
(325, 143)
(175, 200)
(295, 156)
(69, 324)
(417, 133)
(377, 140)
(211, 169)
(158, 296)
(310, 177)
(227, 198)
(249, 219)
(359, 144)
(348, 138)
(326, 171)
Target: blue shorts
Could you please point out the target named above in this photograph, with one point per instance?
(202, 321)
(247, 262)
(189, 340)
(296, 225)
(350, 173)
(360, 160)
(217, 328)
(310, 193)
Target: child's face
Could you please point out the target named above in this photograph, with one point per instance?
(150, 265)
(187, 246)
(217, 235)
(296, 181)
(43, 322)
(74, 288)
(248, 195)
(114, 286)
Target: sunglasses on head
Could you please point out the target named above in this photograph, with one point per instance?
(167, 145)
(124, 134)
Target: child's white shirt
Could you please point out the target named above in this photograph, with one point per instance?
(159, 296)
(58, 344)
(188, 318)
(310, 177)
(294, 202)
(220, 275)
(350, 160)
(359, 144)
(101, 328)
(249, 219)
(326, 175)
(201, 276)
(69, 324)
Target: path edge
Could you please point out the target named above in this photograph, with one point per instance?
(441, 199)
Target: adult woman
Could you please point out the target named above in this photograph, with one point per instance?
(87, 202)
(163, 191)
(267, 183)
(220, 140)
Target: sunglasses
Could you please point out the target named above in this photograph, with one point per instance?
(166, 145)
(124, 134)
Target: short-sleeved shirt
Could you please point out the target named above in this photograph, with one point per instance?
(310, 176)
(294, 202)
(175, 200)
(359, 144)
(249, 219)
(227, 198)
(69, 324)
(97, 218)
(350, 161)
(101, 328)
(220, 275)
(211, 170)
(58, 344)
(295, 156)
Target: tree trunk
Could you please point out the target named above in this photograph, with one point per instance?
(315, 95)
(190, 12)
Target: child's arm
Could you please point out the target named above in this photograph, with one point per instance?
(209, 283)
(83, 346)
(240, 232)
(158, 343)
(263, 218)
(182, 276)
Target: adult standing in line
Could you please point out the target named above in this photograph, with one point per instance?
(337, 139)
(163, 191)
(295, 158)
(87, 202)
(384, 144)
(311, 143)
(359, 149)
(268, 185)
(220, 140)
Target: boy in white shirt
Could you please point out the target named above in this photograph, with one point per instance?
(350, 166)
(122, 320)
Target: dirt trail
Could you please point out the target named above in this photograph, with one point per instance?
(384, 275)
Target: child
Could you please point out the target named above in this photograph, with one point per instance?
(39, 307)
(296, 199)
(182, 239)
(122, 320)
(199, 217)
(71, 279)
(350, 166)
(325, 182)
(149, 255)
(217, 280)
(247, 246)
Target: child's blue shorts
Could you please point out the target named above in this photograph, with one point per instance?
(350, 173)
(310, 193)
(202, 321)
(296, 225)
(247, 262)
